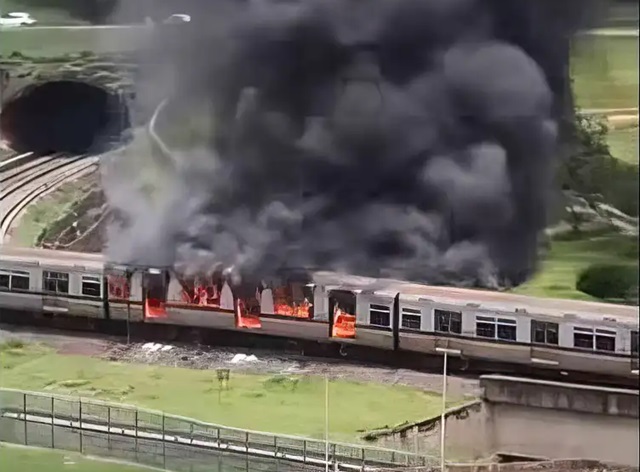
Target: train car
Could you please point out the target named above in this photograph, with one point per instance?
(559, 334)
(387, 315)
(51, 282)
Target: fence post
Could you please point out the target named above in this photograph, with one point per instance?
(108, 427)
(333, 457)
(304, 451)
(246, 442)
(80, 422)
(364, 458)
(136, 433)
(24, 417)
(164, 450)
(53, 417)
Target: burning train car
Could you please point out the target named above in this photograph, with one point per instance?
(165, 296)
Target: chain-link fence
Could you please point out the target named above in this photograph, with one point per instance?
(172, 442)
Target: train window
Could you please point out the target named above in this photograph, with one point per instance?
(14, 280)
(411, 318)
(502, 328)
(634, 343)
(600, 340)
(485, 327)
(605, 340)
(380, 315)
(583, 338)
(57, 282)
(91, 286)
(507, 329)
(448, 321)
(544, 332)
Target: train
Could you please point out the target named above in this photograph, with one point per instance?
(563, 336)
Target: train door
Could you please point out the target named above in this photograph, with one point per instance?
(247, 307)
(55, 288)
(635, 352)
(155, 284)
(342, 314)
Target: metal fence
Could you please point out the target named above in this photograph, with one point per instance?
(172, 442)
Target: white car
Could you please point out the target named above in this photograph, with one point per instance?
(177, 18)
(16, 19)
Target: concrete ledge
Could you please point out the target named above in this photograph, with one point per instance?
(559, 396)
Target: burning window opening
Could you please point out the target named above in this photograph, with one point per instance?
(342, 306)
(119, 287)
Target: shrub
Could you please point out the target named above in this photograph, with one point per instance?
(608, 281)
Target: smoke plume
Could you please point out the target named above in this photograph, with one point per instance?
(411, 139)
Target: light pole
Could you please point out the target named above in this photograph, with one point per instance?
(326, 422)
(446, 352)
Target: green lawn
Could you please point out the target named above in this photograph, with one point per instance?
(623, 144)
(605, 71)
(557, 275)
(23, 459)
(290, 405)
(44, 212)
(46, 42)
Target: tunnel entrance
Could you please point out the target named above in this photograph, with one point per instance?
(63, 116)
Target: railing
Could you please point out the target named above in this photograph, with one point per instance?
(16, 161)
(173, 442)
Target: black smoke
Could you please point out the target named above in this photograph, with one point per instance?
(412, 139)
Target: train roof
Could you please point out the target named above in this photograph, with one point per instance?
(52, 258)
(484, 299)
(454, 296)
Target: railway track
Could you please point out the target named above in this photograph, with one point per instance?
(24, 179)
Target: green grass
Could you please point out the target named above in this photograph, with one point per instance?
(623, 144)
(289, 405)
(605, 71)
(46, 42)
(46, 211)
(23, 459)
(557, 275)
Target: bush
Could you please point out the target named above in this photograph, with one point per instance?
(608, 281)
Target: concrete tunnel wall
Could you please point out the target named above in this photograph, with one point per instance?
(63, 116)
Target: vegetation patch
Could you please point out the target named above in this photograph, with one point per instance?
(288, 404)
(609, 282)
(605, 71)
(50, 42)
(39, 216)
(624, 144)
(571, 253)
(26, 459)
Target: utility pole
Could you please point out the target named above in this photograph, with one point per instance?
(443, 419)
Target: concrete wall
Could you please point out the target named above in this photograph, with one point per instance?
(556, 420)
(535, 419)
(464, 433)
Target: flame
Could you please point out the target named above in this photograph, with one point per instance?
(118, 287)
(200, 292)
(302, 310)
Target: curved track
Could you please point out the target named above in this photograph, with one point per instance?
(23, 183)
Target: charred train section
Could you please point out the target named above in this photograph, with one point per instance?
(65, 116)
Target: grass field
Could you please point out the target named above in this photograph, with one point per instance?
(43, 42)
(623, 144)
(23, 459)
(290, 405)
(605, 71)
(559, 268)
(46, 211)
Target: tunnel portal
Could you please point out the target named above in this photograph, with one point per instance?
(63, 116)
